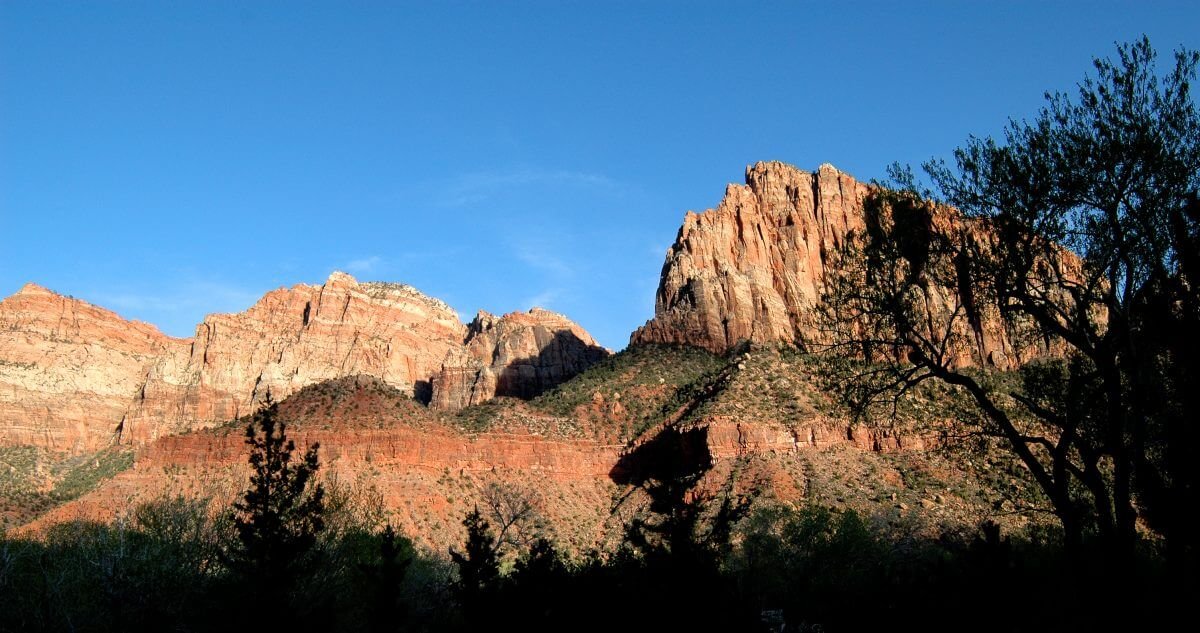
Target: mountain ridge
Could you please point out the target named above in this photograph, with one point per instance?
(75, 376)
(753, 268)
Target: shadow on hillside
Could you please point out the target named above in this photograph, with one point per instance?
(563, 355)
(671, 455)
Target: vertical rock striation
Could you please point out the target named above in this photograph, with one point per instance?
(753, 268)
(75, 377)
(68, 369)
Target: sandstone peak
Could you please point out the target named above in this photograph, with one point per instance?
(34, 289)
(519, 354)
(339, 278)
(76, 377)
(753, 267)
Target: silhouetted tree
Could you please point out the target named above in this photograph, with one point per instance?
(513, 510)
(1112, 177)
(385, 579)
(279, 516)
(478, 568)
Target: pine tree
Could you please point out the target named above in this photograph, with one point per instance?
(280, 515)
(478, 567)
(385, 580)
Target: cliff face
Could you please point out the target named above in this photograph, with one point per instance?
(291, 338)
(752, 269)
(755, 424)
(518, 354)
(75, 377)
(68, 369)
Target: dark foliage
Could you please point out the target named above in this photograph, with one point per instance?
(384, 580)
(478, 570)
(1111, 177)
(278, 518)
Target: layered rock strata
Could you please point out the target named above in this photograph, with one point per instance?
(426, 473)
(753, 268)
(75, 377)
(68, 369)
(518, 354)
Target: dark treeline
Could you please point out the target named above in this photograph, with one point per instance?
(811, 568)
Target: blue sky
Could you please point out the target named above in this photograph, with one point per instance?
(170, 159)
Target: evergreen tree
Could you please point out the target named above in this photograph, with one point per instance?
(279, 516)
(478, 568)
(385, 579)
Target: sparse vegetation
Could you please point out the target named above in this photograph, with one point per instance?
(86, 475)
(643, 381)
(32, 480)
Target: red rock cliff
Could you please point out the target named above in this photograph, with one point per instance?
(75, 377)
(752, 269)
(68, 369)
(518, 354)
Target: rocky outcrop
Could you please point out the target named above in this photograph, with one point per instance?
(68, 370)
(518, 354)
(755, 426)
(295, 337)
(75, 377)
(753, 268)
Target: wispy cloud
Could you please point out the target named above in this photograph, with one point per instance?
(183, 298)
(363, 265)
(542, 260)
(476, 187)
(177, 310)
(543, 299)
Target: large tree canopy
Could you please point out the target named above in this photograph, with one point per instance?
(1079, 234)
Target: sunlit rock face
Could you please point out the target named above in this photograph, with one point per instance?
(75, 377)
(519, 354)
(69, 370)
(753, 268)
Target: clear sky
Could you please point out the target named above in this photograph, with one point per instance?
(169, 159)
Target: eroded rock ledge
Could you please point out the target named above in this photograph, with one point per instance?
(75, 377)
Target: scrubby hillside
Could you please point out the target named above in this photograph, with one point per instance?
(756, 425)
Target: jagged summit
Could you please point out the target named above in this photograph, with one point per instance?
(34, 289)
(753, 268)
(76, 377)
(750, 269)
(519, 354)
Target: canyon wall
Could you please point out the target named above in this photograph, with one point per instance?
(68, 369)
(75, 377)
(753, 268)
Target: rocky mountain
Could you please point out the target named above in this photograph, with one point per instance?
(408, 402)
(75, 377)
(69, 370)
(518, 355)
(428, 467)
(753, 268)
